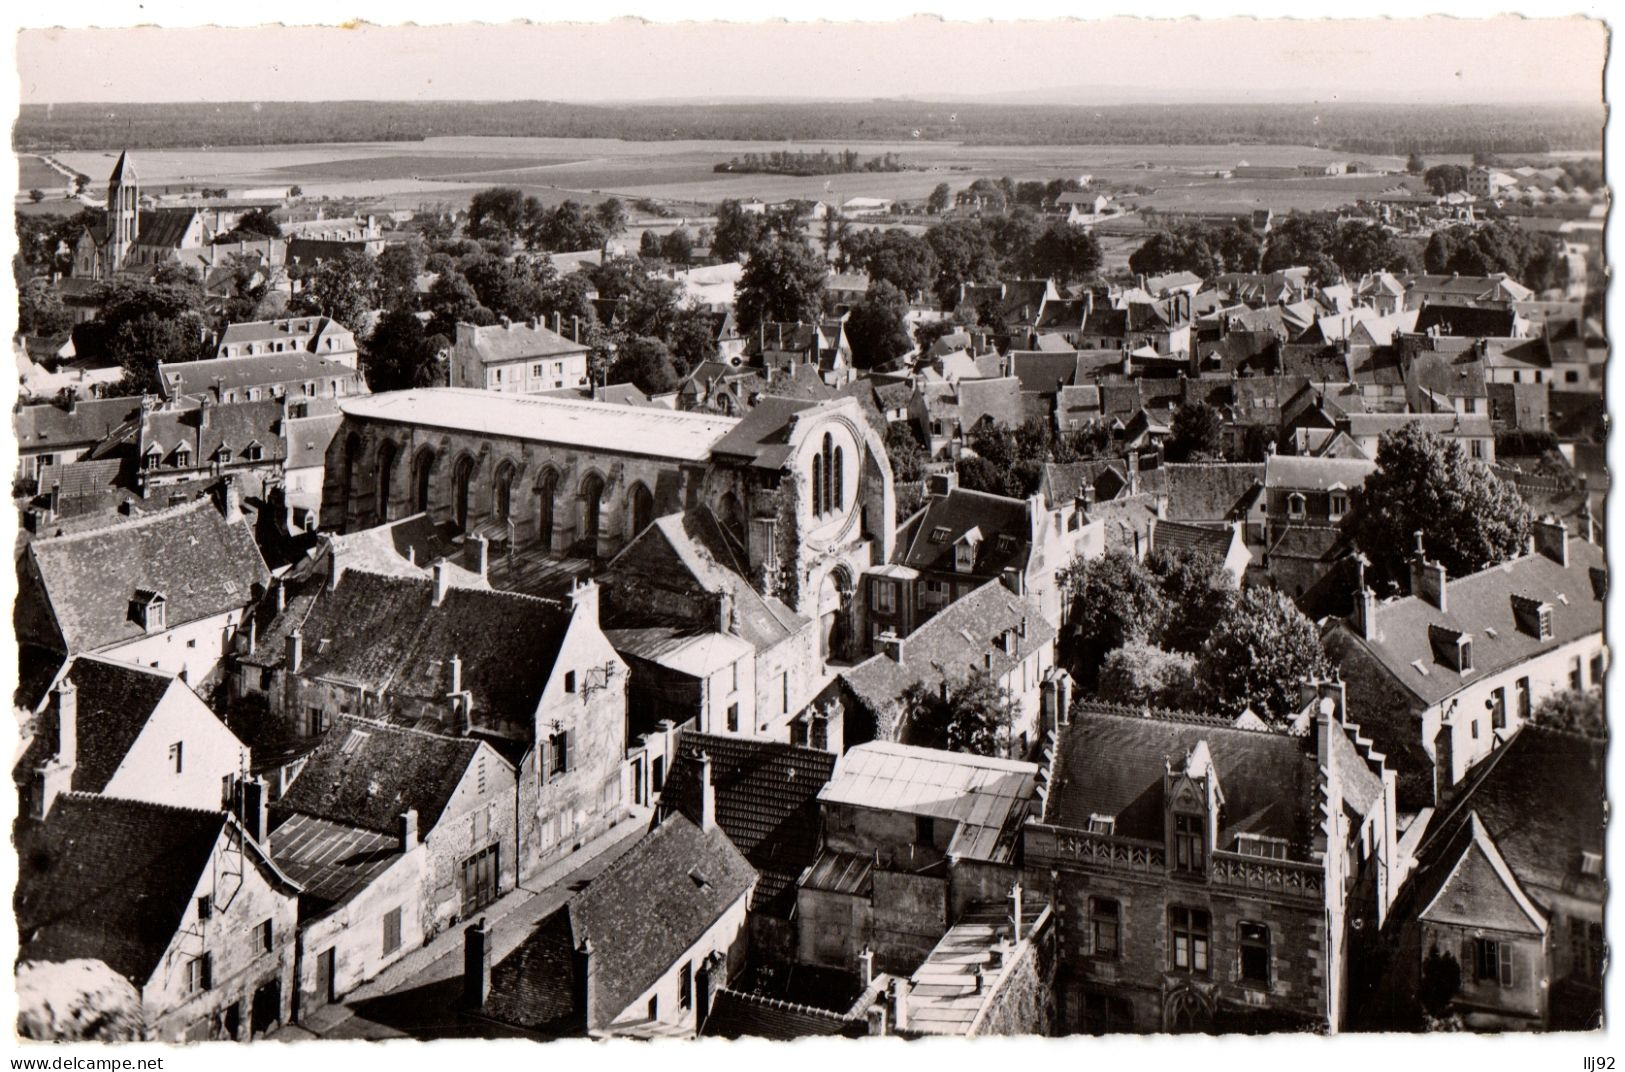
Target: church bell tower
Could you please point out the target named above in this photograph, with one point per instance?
(123, 212)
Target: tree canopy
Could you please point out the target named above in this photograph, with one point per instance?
(400, 354)
(1258, 654)
(645, 363)
(1196, 434)
(876, 329)
(783, 282)
(970, 714)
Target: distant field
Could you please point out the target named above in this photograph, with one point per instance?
(33, 174)
(405, 167)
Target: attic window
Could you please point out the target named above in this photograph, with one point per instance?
(1295, 505)
(1102, 824)
(150, 609)
(940, 534)
(699, 879)
(153, 458)
(1006, 543)
(1599, 582)
(1533, 616)
(253, 452)
(1271, 848)
(1591, 864)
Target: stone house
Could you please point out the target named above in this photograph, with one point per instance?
(127, 731)
(1208, 877)
(165, 589)
(55, 434)
(635, 953)
(1447, 673)
(245, 442)
(295, 374)
(184, 903)
(308, 334)
(1304, 501)
(517, 357)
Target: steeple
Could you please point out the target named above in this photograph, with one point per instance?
(123, 171)
(123, 212)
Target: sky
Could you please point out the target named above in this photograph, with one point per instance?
(1432, 60)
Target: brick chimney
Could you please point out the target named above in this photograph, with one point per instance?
(584, 598)
(1551, 538)
(454, 671)
(476, 965)
(295, 653)
(442, 582)
(708, 795)
(55, 776)
(409, 829)
(876, 1015)
(1428, 579)
(482, 556)
(725, 612)
(866, 967)
(1365, 601)
(335, 568)
(900, 989)
(231, 499)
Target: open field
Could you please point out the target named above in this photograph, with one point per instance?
(34, 174)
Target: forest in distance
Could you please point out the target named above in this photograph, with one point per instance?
(1352, 128)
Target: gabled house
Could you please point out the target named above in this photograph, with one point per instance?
(244, 441)
(127, 731)
(1450, 671)
(184, 903)
(55, 434)
(1508, 881)
(522, 357)
(1224, 543)
(634, 953)
(1192, 861)
(295, 374)
(165, 589)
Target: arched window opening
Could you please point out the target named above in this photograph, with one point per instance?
(642, 508)
(422, 472)
(829, 473)
(460, 483)
(502, 492)
(592, 496)
(545, 491)
(818, 485)
(386, 473)
(838, 499)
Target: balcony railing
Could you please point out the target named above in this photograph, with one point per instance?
(1283, 878)
(1059, 846)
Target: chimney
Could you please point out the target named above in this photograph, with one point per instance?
(979, 979)
(1588, 529)
(942, 483)
(899, 999)
(462, 713)
(231, 497)
(1365, 601)
(67, 723)
(482, 555)
(1551, 538)
(279, 595)
(295, 656)
(442, 581)
(1015, 909)
(335, 568)
(708, 795)
(866, 967)
(1428, 580)
(409, 829)
(584, 598)
(454, 669)
(891, 644)
(877, 1020)
(725, 612)
(1131, 465)
(557, 321)
(476, 965)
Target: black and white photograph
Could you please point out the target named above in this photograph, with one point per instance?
(786, 528)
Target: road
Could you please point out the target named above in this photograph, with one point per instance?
(417, 996)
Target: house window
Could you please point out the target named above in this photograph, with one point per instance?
(1492, 961)
(254, 452)
(316, 720)
(1106, 1014)
(392, 931)
(264, 937)
(1188, 931)
(733, 718)
(925, 830)
(1189, 837)
(733, 685)
(1102, 824)
(199, 974)
(205, 908)
(885, 597)
(1340, 505)
(1543, 622)
(1464, 648)
(569, 681)
(1576, 675)
(1105, 922)
(183, 457)
(536, 371)
(1255, 954)
(267, 679)
(1475, 447)
(177, 756)
(1295, 505)
(1597, 669)
(1498, 709)
(685, 986)
(558, 749)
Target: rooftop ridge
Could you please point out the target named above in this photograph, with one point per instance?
(398, 728)
(133, 521)
(76, 794)
(1477, 575)
(787, 1006)
(1100, 708)
(460, 589)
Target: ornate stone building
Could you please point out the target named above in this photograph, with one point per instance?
(802, 488)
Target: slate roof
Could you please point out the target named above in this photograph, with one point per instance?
(1469, 320)
(51, 427)
(366, 774)
(641, 913)
(1210, 491)
(762, 436)
(206, 429)
(201, 563)
(112, 880)
(1293, 471)
(332, 862)
(1044, 373)
(1447, 378)
(307, 331)
(115, 702)
(1198, 539)
(240, 373)
(385, 634)
(737, 1015)
(1445, 424)
(1125, 517)
(307, 439)
(1002, 523)
(496, 344)
(996, 400)
(766, 800)
(1112, 764)
(166, 227)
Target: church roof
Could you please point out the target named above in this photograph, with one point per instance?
(124, 170)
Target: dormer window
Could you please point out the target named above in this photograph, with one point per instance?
(153, 458)
(1270, 848)
(183, 456)
(1190, 837)
(149, 609)
(1534, 617)
(964, 556)
(1102, 824)
(254, 452)
(1451, 648)
(1464, 654)
(1340, 504)
(1296, 506)
(940, 534)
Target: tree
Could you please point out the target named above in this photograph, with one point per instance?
(1257, 656)
(1573, 712)
(783, 281)
(939, 199)
(678, 246)
(296, 191)
(400, 354)
(1440, 981)
(736, 231)
(876, 328)
(1445, 178)
(927, 332)
(36, 196)
(1064, 252)
(252, 226)
(40, 310)
(496, 213)
(1298, 240)
(1469, 517)
(970, 714)
(399, 266)
(1199, 592)
(343, 287)
(1415, 164)
(141, 324)
(1139, 674)
(1363, 247)
(1115, 601)
(964, 255)
(611, 216)
(895, 257)
(452, 301)
(1196, 434)
(646, 363)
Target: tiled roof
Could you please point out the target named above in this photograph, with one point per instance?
(366, 774)
(1445, 424)
(1468, 320)
(210, 428)
(1210, 491)
(112, 880)
(1176, 536)
(332, 862)
(52, 427)
(985, 797)
(518, 340)
(736, 1015)
(1124, 518)
(641, 914)
(306, 330)
(1449, 378)
(1113, 765)
(763, 434)
(997, 400)
(766, 801)
(1001, 525)
(202, 564)
(115, 702)
(240, 373)
(165, 228)
(1044, 373)
(1293, 471)
(308, 438)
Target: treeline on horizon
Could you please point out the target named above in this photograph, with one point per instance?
(822, 162)
(1374, 129)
